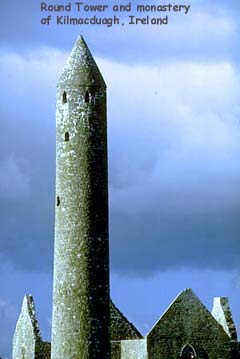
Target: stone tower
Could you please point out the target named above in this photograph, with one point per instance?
(80, 326)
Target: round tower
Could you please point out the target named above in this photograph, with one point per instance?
(80, 326)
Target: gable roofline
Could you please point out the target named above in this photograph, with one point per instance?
(126, 320)
(187, 291)
(166, 310)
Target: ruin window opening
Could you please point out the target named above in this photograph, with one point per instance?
(188, 352)
(64, 97)
(58, 201)
(66, 136)
(93, 96)
(87, 97)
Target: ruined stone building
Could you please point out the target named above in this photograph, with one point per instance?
(185, 330)
(85, 323)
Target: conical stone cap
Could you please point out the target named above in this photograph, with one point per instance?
(81, 69)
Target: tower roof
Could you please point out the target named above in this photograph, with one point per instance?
(81, 68)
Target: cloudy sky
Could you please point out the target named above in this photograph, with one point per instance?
(174, 157)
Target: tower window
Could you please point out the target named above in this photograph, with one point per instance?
(66, 136)
(87, 97)
(93, 96)
(64, 97)
(23, 351)
(58, 201)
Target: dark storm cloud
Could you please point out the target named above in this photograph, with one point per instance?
(175, 169)
(174, 163)
(174, 157)
(188, 218)
(164, 236)
(27, 162)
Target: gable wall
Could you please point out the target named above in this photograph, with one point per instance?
(24, 341)
(187, 321)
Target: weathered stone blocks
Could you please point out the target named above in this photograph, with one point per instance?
(80, 325)
(27, 342)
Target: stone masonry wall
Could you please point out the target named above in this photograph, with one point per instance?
(121, 328)
(187, 321)
(134, 349)
(80, 325)
(222, 313)
(27, 335)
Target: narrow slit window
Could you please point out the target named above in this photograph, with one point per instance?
(23, 353)
(93, 96)
(64, 97)
(66, 136)
(87, 97)
(58, 201)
